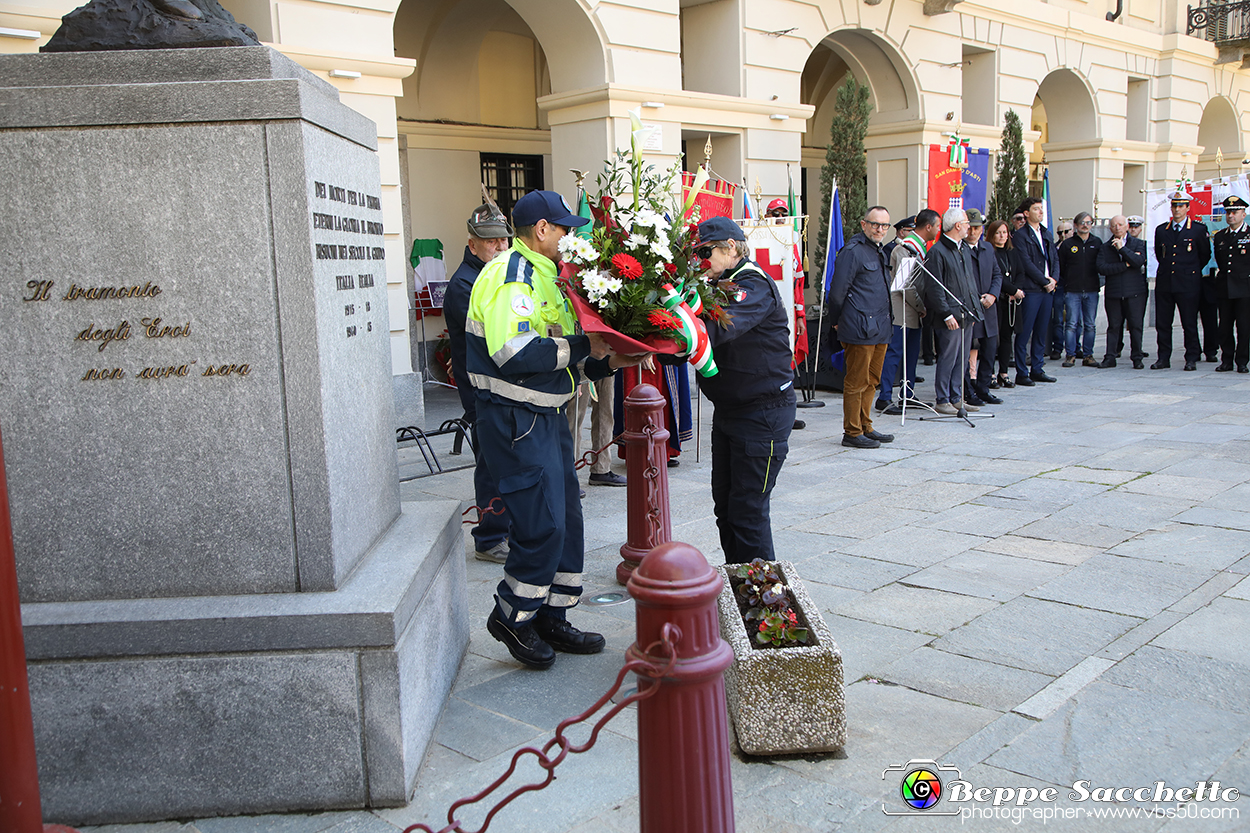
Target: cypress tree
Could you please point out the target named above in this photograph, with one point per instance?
(845, 160)
(1011, 179)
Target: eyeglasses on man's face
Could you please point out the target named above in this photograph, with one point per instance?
(876, 226)
(704, 252)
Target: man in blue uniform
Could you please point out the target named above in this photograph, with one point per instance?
(1182, 247)
(526, 359)
(488, 236)
(753, 393)
(1232, 286)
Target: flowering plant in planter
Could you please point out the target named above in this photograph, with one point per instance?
(637, 273)
(766, 605)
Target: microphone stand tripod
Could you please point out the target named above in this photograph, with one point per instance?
(962, 413)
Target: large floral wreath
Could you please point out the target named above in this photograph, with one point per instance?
(637, 271)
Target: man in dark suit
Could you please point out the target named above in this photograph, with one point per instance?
(1182, 247)
(951, 298)
(1122, 263)
(1039, 279)
(1232, 285)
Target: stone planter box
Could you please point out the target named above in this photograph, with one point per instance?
(784, 700)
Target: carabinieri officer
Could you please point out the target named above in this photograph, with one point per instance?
(526, 359)
(753, 393)
(1183, 249)
(1232, 286)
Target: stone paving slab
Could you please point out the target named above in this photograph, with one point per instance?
(1214, 631)
(1074, 532)
(1008, 635)
(853, 571)
(1197, 489)
(1185, 676)
(867, 648)
(915, 545)
(916, 609)
(964, 679)
(1204, 547)
(1122, 585)
(1073, 743)
(1039, 549)
(1134, 512)
(985, 574)
(978, 519)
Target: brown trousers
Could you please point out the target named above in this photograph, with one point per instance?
(859, 388)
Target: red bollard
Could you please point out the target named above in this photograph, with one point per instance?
(20, 811)
(683, 730)
(646, 466)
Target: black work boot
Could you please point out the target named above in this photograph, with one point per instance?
(562, 636)
(521, 640)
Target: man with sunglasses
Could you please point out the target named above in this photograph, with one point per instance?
(753, 393)
(1182, 248)
(859, 307)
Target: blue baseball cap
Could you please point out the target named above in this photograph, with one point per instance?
(720, 228)
(545, 205)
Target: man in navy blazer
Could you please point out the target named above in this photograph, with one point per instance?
(1038, 279)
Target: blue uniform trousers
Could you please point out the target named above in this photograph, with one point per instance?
(747, 452)
(1032, 329)
(492, 529)
(530, 457)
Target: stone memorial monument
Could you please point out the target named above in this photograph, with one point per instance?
(226, 607)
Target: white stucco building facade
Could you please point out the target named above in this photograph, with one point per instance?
(528, 90)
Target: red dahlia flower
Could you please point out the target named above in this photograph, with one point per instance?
(627, 266)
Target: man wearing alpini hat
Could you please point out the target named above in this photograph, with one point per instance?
(525, 359)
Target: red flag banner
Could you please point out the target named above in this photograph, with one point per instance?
(715, 199)
(946, 182)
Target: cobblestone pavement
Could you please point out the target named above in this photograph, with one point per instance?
(1054, 595)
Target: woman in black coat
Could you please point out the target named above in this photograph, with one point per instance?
(999, 235)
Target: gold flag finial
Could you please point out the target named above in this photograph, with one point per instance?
(707, 153)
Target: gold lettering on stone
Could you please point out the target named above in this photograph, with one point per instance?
(119, 333)
(227, 369)
(164, 372)
(38, 290)
(107, 293)
(152, 329)
(103, 374)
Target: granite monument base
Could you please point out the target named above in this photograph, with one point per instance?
(172, 708)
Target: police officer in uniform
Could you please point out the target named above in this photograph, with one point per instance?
(488, 236)
(526, 359)
(1232, 286)
(753, 393)
(1182, 247)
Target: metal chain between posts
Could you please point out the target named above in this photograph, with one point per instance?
(652, 475)
(496, 507)
(670, 635)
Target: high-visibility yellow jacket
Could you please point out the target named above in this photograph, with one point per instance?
(521, 334)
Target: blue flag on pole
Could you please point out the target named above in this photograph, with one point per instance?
(834, 241)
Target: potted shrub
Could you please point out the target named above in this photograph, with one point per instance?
(785, 687)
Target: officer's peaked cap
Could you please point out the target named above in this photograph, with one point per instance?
(1234, 202)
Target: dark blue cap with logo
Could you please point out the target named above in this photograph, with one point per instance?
(545, 205)
(719, 228)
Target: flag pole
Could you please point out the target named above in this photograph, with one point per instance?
(820, 324)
